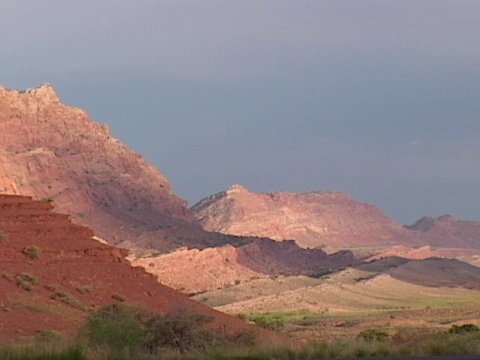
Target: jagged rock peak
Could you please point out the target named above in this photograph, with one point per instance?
(237, 189)
(44, 93)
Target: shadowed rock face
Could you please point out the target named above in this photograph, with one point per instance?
(313, 218)
(52, 151)
(70, 261)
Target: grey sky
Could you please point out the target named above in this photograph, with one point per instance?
(380, 99)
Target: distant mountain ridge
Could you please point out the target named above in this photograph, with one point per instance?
(325, 219)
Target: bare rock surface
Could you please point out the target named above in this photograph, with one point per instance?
(194, 270)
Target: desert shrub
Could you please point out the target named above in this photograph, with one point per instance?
(373, 335)
(49, 336)
(126, 327)
(119, 297)
(182, 331)
(52, 287)
(26, 281)
(465, 328)
(237, 281)
(3, 236)
(117, 327)
(48, 199)
(69, 299)
(85, 289)
(33, 252)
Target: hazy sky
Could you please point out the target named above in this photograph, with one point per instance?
(380, 99)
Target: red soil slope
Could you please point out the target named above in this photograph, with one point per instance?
(72, 262)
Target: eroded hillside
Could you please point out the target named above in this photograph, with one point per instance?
(53, 274)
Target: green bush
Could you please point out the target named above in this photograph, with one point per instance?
(268, 321)
(26, 281)
(69, 299)
(33, 252)
(117, 327)
(123, 327)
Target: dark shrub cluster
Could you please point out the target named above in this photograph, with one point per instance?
(124, 326)
(463, 329)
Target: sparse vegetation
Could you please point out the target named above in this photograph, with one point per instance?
(48, 199)
(3, 236)
(69, 299)
(33, 252)
(52, 287)
(119, 297)
(373, 335)
(127, 327)
(270, 321)
(26, 281)
(85, 289)
(125, 332)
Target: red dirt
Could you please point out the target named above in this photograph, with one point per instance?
(72, 260)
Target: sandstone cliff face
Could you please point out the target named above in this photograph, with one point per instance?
(312, 219)
(55, 152)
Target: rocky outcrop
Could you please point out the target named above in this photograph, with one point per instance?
(73, 275)
(195, 271)
(312, 219)
(56, 153)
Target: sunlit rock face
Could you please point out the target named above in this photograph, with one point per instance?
(312, 219)
(55, 152)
